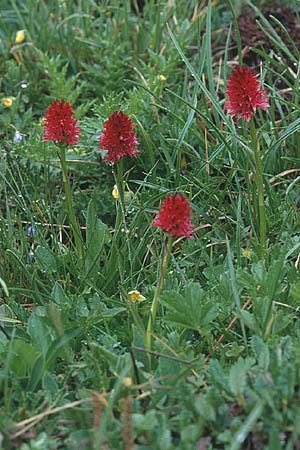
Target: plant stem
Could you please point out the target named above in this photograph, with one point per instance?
(120, 187)
(159, 287)
(114, 259)
(260, 189)
(72, 218)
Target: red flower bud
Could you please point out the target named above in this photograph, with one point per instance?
(59, 125)
(174, 216)
(244, 94)
(118, 137)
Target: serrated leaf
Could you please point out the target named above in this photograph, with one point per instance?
(261, 350)
(238, 375)
(205, 408)
(249, 320)
(218, 375)
(192, 309)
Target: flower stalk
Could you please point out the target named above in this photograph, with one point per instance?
(244, 97)
(61, 128)
(71, 213)
(162, 273)
(120, 218)
(260, 188)
(174, 218)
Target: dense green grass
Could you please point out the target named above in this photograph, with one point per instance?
(224, 372)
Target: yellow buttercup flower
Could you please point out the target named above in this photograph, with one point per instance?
(116, 195)
(127, 382)
(162, 78)
(246, 253)
(115, 192)
(20, 36)
(136, 297)
(7, 101)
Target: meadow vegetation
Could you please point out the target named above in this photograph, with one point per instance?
(117, 332)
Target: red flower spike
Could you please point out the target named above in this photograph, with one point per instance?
(174, 216)
(244, 94)
(118, 137)
(59, 125)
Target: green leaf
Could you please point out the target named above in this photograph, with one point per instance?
(145, 422)
(39, 332)
(192, 309)
(261, 350)
(4, 287)
(61, 342)
(246, 427)
(249, 320)
(36, 373)
(198, 80)
(58, 294)
(23, 357)
(205, 408)
(96, 232)
(45, 259)
(238, 375)
(282, 320)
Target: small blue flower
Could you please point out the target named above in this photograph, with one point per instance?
(29, 258)
(30, 231)
(18, 137)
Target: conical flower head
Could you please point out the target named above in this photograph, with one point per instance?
(244, 94)
(59, 126)
(174, 216)
(118, 137)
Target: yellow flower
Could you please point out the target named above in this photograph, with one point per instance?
(20, 36)
(7, 101)
(162, 78)
(127, 382)
(136, 296)
(246, 253)
(115, 193)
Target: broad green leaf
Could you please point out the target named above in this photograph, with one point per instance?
(192, 309)
(36, 373)
(39, 332)
(96, 232)
(58, 294)
(61, 342)
(45, 259)
(23, 357)
(249, 320)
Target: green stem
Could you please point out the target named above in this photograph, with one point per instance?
(120, 187)
(159, 287)
(260, 188)
(178, 163)
(118, 175)
(72, 218)
(120, 218)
